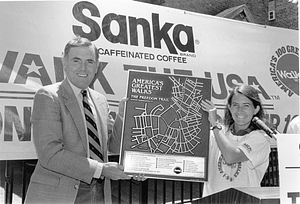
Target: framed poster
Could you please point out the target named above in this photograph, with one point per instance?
(165, 130)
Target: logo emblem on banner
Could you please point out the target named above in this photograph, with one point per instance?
(284, 69)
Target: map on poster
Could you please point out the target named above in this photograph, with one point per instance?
(165, 131)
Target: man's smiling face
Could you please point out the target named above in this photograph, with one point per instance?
(80, 66)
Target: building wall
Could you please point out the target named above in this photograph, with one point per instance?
(286, 13)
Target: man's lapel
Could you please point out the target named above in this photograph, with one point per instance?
(74, 109)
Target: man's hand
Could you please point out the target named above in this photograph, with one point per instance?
(139, 177)
(114, 171)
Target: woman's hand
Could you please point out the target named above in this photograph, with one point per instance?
(211, 109)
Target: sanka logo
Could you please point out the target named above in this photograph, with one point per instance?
(159, 34)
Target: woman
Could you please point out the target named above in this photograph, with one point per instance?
(239, 151)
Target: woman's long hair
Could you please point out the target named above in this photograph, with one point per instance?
(251, 94)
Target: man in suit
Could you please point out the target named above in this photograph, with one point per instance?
(65, 171)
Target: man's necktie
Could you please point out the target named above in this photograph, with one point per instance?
(94, 142)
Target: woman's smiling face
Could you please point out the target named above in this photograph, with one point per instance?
(242, 111)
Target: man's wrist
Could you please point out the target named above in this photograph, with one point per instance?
(98, 172)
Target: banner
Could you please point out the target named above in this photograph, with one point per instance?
(165, 130)
(147, 38)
